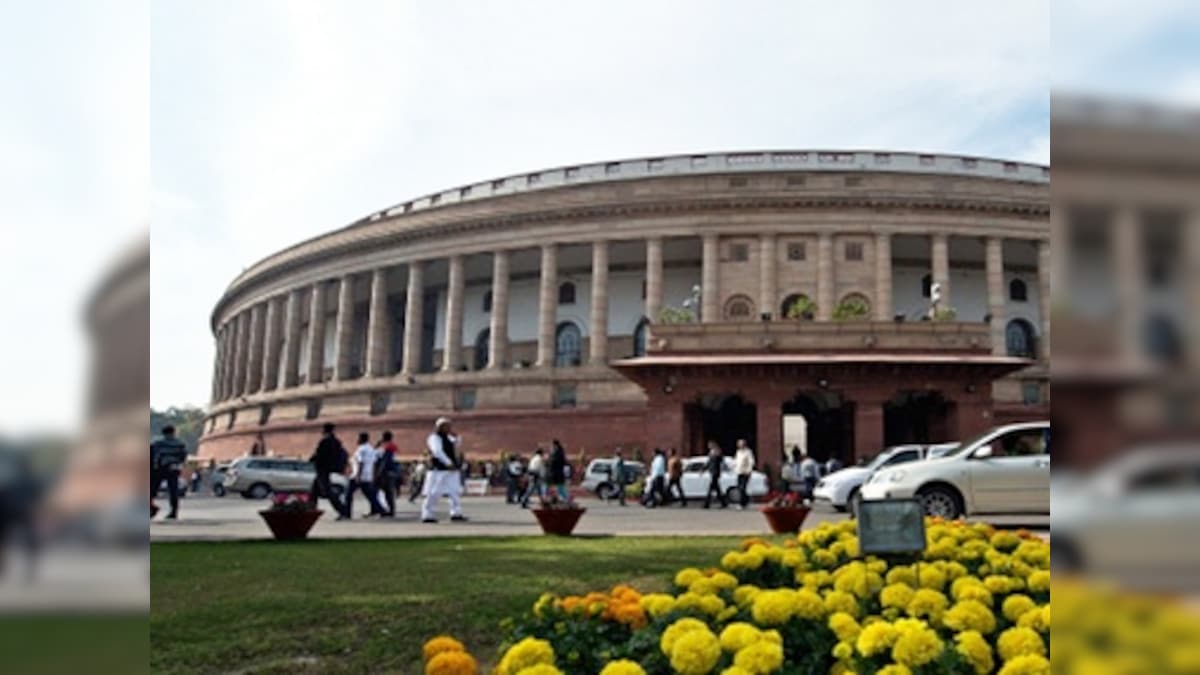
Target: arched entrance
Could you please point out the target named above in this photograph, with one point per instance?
(723, 418)
(916, 417)
(828, 425)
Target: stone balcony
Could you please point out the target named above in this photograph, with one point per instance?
(821, 337)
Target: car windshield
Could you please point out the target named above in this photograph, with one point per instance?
(970, 443)
(881, 459)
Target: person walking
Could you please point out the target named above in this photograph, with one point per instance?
(417, 480)
(790, 474)
(559, 471)
(329, 458)
(389, 474)
(618, 476)
(537, 477)
(362, 478)
(675, 478)
(810, 472)
(444, 476)
(743, 464)
(832, 465)
(657, 494)
(715, 466)
(512, 477)
(167, 455)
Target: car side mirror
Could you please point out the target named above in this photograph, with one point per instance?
(982, 453)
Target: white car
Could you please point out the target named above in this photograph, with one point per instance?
(840, 488)
(1004, 470)
(695, 480)
(599, 479)
(1136, 519)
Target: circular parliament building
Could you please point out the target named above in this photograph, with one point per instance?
(834, 300)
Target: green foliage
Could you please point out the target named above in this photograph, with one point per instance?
(671, 315)
(188, 422)
(945, 314)
(852, 307)
(801, 308)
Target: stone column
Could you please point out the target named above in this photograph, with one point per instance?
(290, 375)
(498, 335)
(316, 334)
(1060, 261)
(377, 325)
(547, 306)
(414, 317)
(769, 428)
(344, 329)
(766, 275)
(599, 331)
(237, 372)
(1129, 270)
(452, 350)
(709, 280)
(654, 278)
(995, 293)
(218, 377)
(883, 277)
(825, 288)
(255, 351)
(1045, 271)
(272, 342)
(868, 428)
(940, 251)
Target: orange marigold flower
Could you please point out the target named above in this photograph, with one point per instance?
(440, 645)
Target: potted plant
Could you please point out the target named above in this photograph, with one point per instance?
(945, 314)
(850, 308)
(556, 515)
(801, 308)
(291, 515)
(785, 512)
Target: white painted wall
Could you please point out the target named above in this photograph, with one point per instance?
(968, 295)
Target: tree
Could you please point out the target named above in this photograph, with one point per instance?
(188, 422)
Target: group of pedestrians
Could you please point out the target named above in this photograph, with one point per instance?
(545, 477)
(801, 471)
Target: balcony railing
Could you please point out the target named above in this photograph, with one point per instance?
(820, 336)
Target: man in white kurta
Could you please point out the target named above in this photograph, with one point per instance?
(443, 476)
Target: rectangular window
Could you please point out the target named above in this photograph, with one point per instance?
(739, 252)
(796, 251)
(1031, 393)
(465, 399)
(854, 251)
(564, 396)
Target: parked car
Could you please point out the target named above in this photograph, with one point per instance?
(1003, 470)
(840, 488)
(258, 477)
(218, 480)
(695, 480)
(1135, 518)
(599, 476)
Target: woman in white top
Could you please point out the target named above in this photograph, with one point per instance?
(362, 476)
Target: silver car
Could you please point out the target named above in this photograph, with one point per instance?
(258, 477)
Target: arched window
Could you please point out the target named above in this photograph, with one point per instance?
(568, 345)
(739, 308)
(852, 306)
(1019, 339)
(639, 337)
(487, 302)
(1162, 340)
(927, 286)
(482, 347)
(797, 306)
(1018, 291)
(566, 293)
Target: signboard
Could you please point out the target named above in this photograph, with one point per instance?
(891, 526)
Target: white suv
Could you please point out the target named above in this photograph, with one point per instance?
(1004, 470)
(258, 477)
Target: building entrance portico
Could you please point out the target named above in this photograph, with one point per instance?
(828, 424)
(721, 418)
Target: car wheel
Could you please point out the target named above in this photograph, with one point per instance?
(219, 490)
(852, 501)
(258, 491)
(606, 491)
(940, 501)
(733, 495)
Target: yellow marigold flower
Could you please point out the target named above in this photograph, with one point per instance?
(771, 635)
(737, 635)
(1037, 619)
(773, 608)
(705, 586)
(840, 668)
(970, 615)
(724, 580)
(929, 604)
(917, 644)
(1039, 581)
(902, 574)
(732, 560)
(677, 630)
(839, 601)
(896, 595)
(695, 652)
(1029, 664)
(844, 626)
(876, 565)
(824, 558)
(894, 669)
(942, 549)
(544, 601)
(1015, 606)
(524, 655)
(753, 559)
(657, 604)
(686, 576)
(932, 577)
(744, 595)
(622, 667)
(1019, 641)
(540, 669)
(999, 584)
(1005, 541)
(1035, 553)
(761, 658)
(794, 559)
(842, 651)
(735, 670)
(976, 650)
(817, 579)
(807, 604)
(452, 663)
(440, 644)
(954, 570)
(876, 638)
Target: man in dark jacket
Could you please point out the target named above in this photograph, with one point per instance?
(167, 456)
(716, 464)
(329, 458)
(557, 475)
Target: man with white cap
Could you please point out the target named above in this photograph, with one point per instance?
(443, 476)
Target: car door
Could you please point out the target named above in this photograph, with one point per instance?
(695, 478)
(1015, 477)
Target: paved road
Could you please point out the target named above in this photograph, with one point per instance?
(234, 518)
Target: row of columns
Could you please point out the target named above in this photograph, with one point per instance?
(249, 346)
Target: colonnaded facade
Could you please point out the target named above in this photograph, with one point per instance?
(785, 297)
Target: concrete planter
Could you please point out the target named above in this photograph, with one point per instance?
(559, 522)
(290, 525)
(785, 519)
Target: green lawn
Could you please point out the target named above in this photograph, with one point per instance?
(366, 606)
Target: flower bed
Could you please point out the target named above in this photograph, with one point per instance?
(977, 602)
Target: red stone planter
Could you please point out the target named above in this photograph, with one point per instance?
(290, 525)
(785, 519)
(558, 521)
